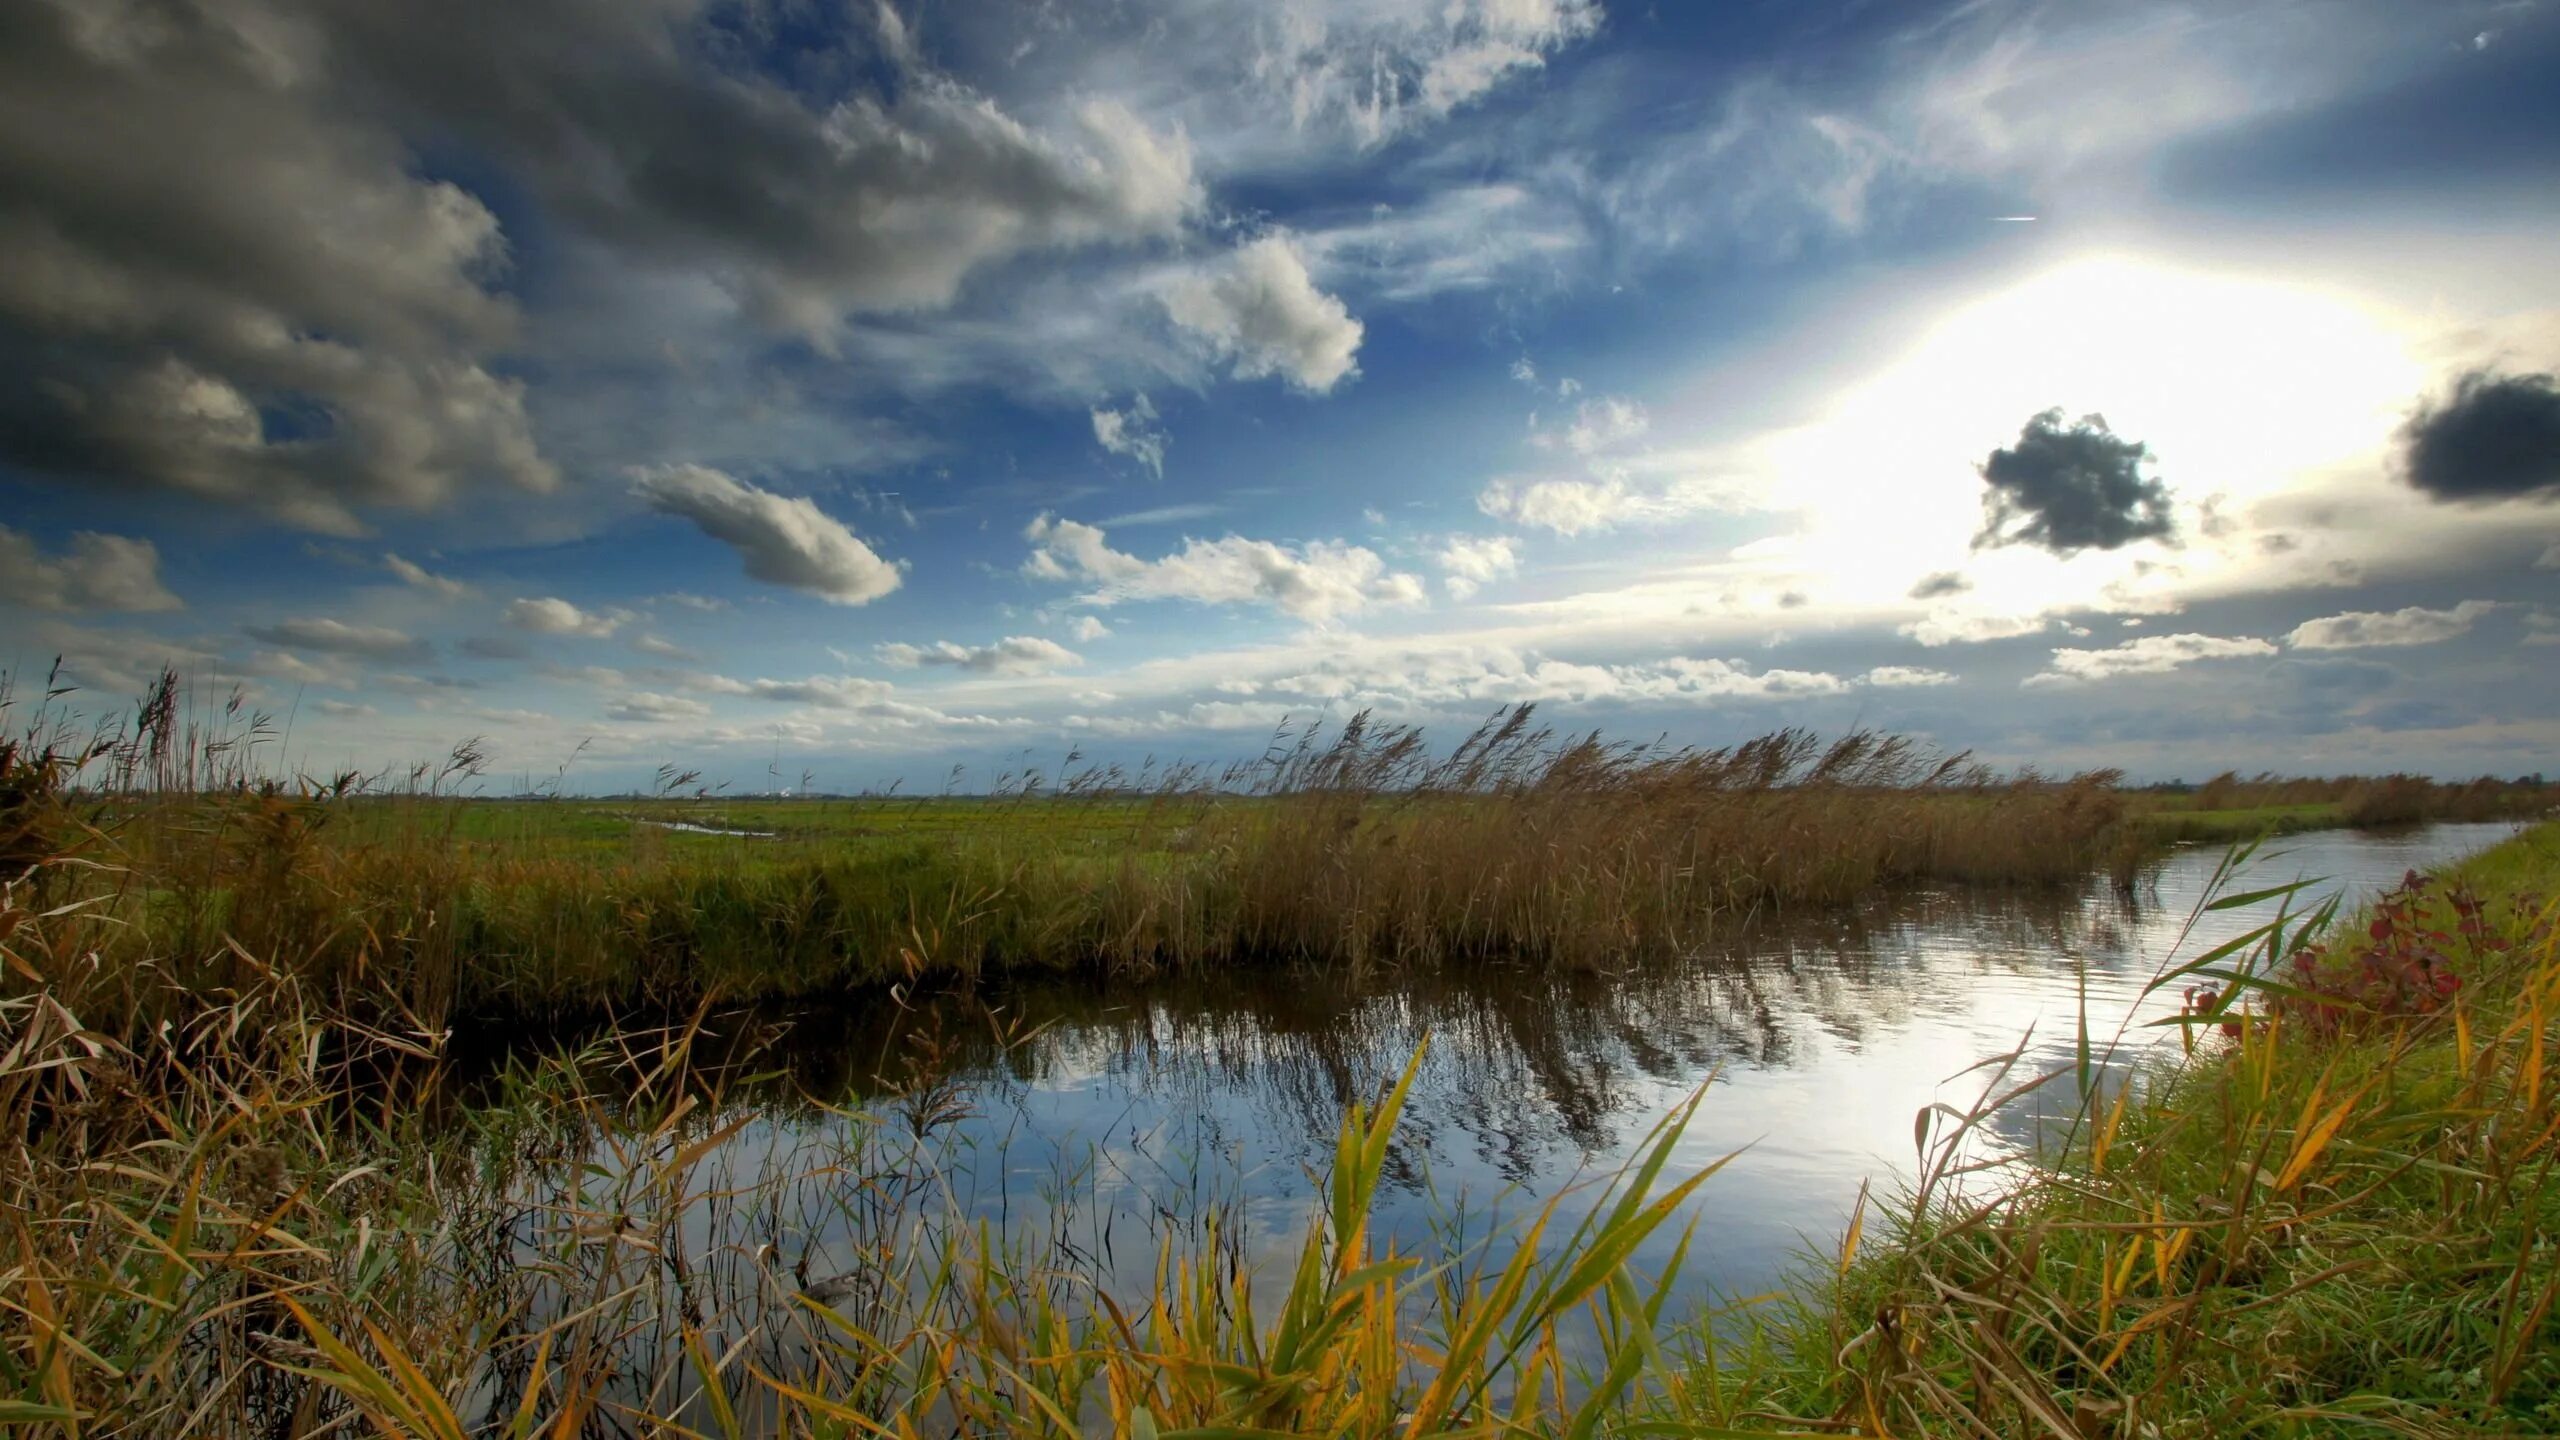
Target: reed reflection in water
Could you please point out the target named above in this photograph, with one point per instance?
(1085, 1123)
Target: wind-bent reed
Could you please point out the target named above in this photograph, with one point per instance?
(1354, 846)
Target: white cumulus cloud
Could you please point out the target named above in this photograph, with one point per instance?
(1907, 677)
(550, 615)
(97, 572)
(783, 540)
(1568, 507)
(2150, 655)
(1318, 581)
(1966, 627)
(2365, 629)
(1133, 432)
(1261, 312)
(1469, 563)
(1012, 655)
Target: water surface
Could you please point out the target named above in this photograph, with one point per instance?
(1133, 1107)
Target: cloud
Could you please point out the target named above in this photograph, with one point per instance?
(844, 694)
(1599, 424)
(337, 637)
(2370, 629)
(1379, 71)
(827, 692)
(661, 647)
(224, 282)
(654, 141)
(1470, 563)
(647, 707)
(1259, 311)
(2149, 655)
(1425, 680)
(1133, 432)
(2072, 490)
(117, 662)
(1085, 629)
(1958, 627)
(417, 576)
(2496, 437)
(1940, 585)
(234, 273)
(784, 540)
(2550, 559)
(553, 616)
(1906, 677)
(1568, 507)
(345, 710)
(1013, 655)
(294, 669)
(98, 572)
(1318, 581)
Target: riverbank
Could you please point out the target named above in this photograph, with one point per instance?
(2335, 1216)
(1354, 849)
(1351, 848)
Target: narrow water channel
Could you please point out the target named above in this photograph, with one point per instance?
(1131, 1108)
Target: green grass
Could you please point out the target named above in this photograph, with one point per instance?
(1360, 848)
(2341, 1221)
(2183, 825)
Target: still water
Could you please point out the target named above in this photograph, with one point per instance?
(1132, 1109)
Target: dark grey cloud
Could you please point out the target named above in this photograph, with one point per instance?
(2493, 437)
(219, 283)
(232, 273)
(1940, 585)
(2072, 489)
(644, 125)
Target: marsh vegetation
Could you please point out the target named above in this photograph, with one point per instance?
(330, 1108)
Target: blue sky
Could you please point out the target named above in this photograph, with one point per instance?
(863, 389)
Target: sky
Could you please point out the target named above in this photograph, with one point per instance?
(823, 395)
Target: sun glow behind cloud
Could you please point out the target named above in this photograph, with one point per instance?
(2243, 386)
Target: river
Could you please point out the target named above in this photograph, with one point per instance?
(1089, 1120)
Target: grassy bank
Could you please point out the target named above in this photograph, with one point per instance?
(1358, 847)
(2229, 810)
(2337, 1217)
